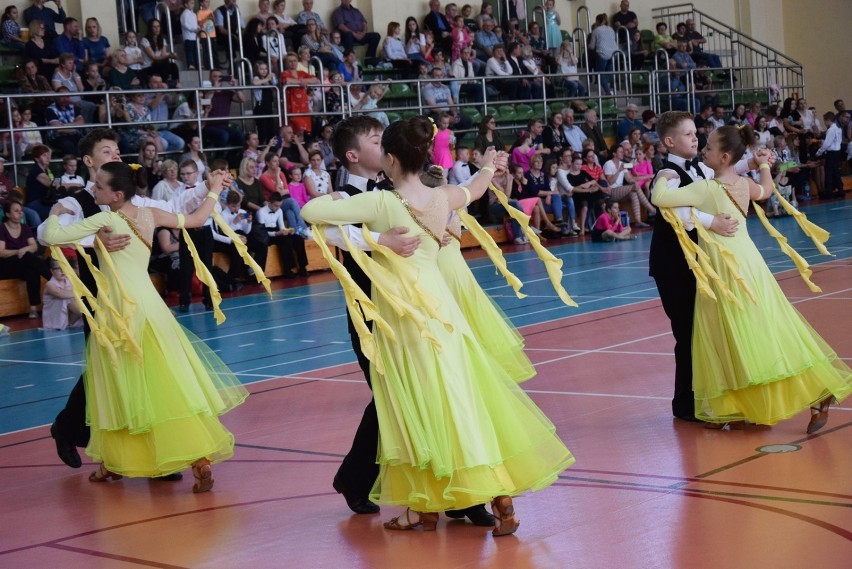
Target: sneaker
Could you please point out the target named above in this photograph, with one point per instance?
(519, 241)
(33, 314)
(576, 228)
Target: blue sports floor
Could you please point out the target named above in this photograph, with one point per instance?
(302, 329)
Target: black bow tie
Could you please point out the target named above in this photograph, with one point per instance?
(370, 185)
(694, 163)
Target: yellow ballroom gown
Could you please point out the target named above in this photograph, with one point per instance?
(154, 398)
(455, 428)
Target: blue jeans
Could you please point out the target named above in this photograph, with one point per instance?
(498, 212)
(293, 214)
(172, 141)
(575, 88)
(567, 203)
(602, 65)
(555, 207)
(191, 53)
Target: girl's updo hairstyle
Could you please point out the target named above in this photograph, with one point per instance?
(409, 140)
(433, 177)
(125, 179)
(734, 140)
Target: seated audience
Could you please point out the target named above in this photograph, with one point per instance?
(18, 259)
(59, 306)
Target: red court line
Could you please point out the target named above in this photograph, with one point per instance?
(94, 553)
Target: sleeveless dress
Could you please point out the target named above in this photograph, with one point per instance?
(554, 33)
(155, 392)
(492, 328)
(456, 430)
(752, 358)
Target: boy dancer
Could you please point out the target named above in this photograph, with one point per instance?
(668, 267)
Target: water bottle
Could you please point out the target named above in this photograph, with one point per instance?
(807, 190)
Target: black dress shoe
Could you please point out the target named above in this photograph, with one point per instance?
(66, 450)
(174, 477)
(476, 514)
(690, 418)
(358, 504)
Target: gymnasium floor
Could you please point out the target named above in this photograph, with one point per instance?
(645, 492)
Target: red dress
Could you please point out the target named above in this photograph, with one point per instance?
(297, 101)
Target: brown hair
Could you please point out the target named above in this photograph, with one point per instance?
(433, 177)
(669, 121)
(409, 141)
(734, 140)
(346, 134)
(125, 179)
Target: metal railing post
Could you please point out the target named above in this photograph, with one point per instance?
(170, 36)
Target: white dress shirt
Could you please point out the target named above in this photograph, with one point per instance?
(833, 138)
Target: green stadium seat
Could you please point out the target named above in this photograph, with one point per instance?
(524, 112)
(507, 113)
(473, 114)
(393, 117)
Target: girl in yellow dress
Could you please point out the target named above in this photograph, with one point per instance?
(455, 429)
(154, 391)
(754, 357)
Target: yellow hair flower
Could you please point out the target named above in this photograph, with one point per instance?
(434, 127)
(134, 166)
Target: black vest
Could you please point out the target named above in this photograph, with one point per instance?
(90, 208)
(355, 270)
(666, 257)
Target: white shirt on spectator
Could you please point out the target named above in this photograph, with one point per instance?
(189, 25)
(460, 173)
(833, 138)
(237, 221)
(272, 221)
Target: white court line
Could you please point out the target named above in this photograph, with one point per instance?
(43, 363)
(568, 357)
(245, 345)
(616, 395)
(294, 362)
(24, 386)
(65, 378)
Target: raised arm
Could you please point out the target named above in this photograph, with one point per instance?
(478, 185)
(690, 195)
(197, 218)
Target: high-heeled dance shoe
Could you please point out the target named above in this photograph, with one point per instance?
(203, 473)
(102, 475)
(426, 520)
(504, 516)
(820, 415)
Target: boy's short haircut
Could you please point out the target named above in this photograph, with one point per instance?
(233, 198)
(86, 146)
(669, 121)
(346, 134)
(829, 116)
(219, 164)
(274, 197)
(189, 162)
(68, 158)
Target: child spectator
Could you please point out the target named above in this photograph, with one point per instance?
(442, 145)
(30, 138)
(59, 307)
(298, 191)
(189, 28)
(643, 169)
(70, 180)
(462, 170)
(238, 220)
(523, 151)
(785, 188)
(290, 246)
(207, 26)
(608, 226)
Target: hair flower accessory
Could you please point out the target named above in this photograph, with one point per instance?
(434, 127)
(134, 166)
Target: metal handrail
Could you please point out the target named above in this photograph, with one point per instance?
(231, 54)
(585, 9)
(282, 51)
(243, 79)
(170, 36)
(626, 44)
(621, 71)
(199, 50)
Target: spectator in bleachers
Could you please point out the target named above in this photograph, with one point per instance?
(680, 35)
(526, 88)
(304, 64)
(485, 39)
(603, 42)
(538, 180)
(591, 128)
(488, 135)
(697, 42)
(251, 149)
(463, 169)
(272, 43)
(625, 17)
(39, 184)
(503, 182)
(240, 222)
(133, 135)
(307, 13)
(263, 11)
(638, 52)
(7, 187)
(66, 76)
(738, 116)
(663, 40)
(121, 76)
(674, 83)
(264, 100)
(30, 137)
(530, 66)
(135, 56)
(33, 82)
(18, 259)
(553, 137)
(291, 247)
(498, 66)
(169, 185)
(207, 25)
(353, 28)
(528, 198)
(643, 169)
(320, 47)
(249, 185)
(628, 122)
(69, 42)
(45, 15)
(159, 101)
(414, 40)
(59, 309)
(189, 28)
(70, 180)
(93, 82)
(717, 120)
(64, 112)
(297, 98)
(298, 188)
(157, 57)
(439, 25)
(567, 66)
(761, 132)
(462, 37)
(523, 151)
(437, 99)
(572, 133)
(469, 21)
(586, 190)
(220, 133)
(291, 147)
(225, 17)
(620, 185)
(350, 69)
(536, 40)
(95, 44)
(41, 50)
(253, 35)
(194, 153)
(649, 127)
(682, 58)
(149, 158)
(10, 30)
(317, 179)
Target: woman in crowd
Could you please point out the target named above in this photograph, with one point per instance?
(494, 442)
(317, 180)
(96, 45)
(39, 184)
(41, 50)
(18, 258)
(194, 153)
(165, 188)
(154, 392)
(319, 45)
(157, 57)
(273, 180)
(603, 43)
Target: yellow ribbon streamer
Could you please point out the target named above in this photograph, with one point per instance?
(203, 272)
(359, 305)
(242, 251)
(817, 234)
(491, 249)
(800, 262)
(727, 259)
(551, 263)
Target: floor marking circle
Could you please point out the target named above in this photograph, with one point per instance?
(778, 448)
